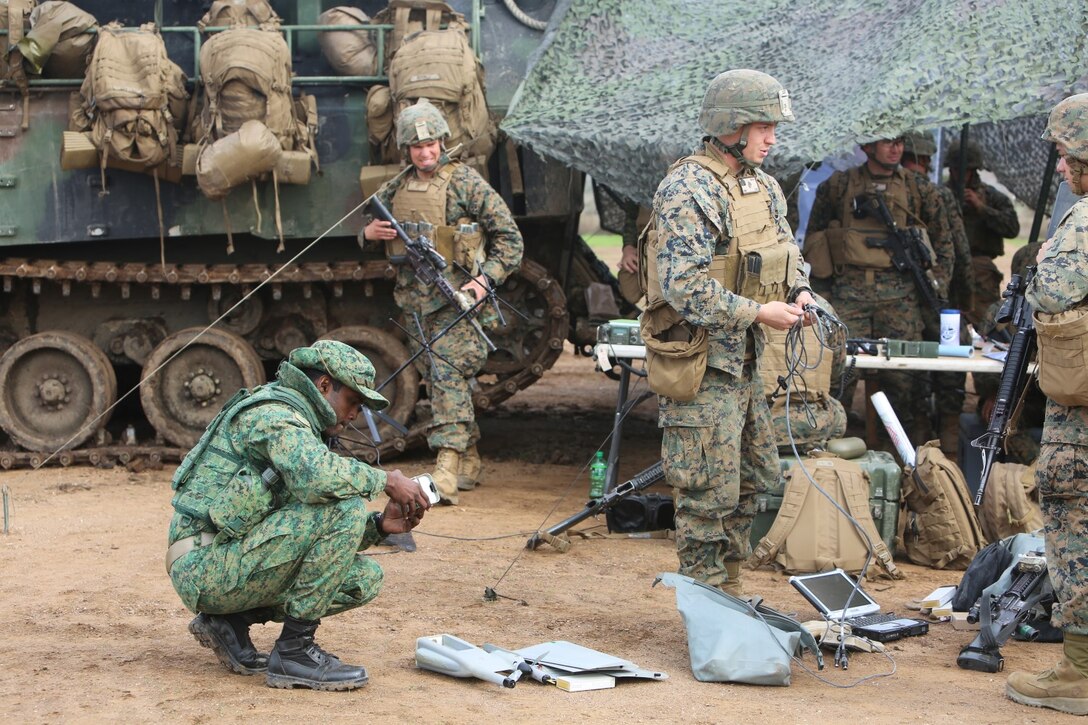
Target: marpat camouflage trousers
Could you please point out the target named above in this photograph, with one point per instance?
(719, 451)
(456, 358)
(302, 560)
(1062, 478)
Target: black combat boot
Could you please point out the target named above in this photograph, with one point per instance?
(297, 661)
(228, 636)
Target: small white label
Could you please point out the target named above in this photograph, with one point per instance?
(784, 102)
(748, 185)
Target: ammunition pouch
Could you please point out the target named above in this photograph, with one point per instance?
(1063, 355)
(676, 352)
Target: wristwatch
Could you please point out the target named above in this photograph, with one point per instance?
(378, 519)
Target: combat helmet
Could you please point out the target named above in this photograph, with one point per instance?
(737, 98)
(974, 155)
(420, 123)
(1068, 126)
(919, 143)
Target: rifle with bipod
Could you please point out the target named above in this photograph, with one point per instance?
(640, 482)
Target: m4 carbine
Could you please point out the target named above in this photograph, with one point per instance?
(1014, 375)
(1001, 617)
(905, 246)
(428, 264)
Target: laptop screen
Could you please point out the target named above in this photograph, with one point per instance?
(831, 591)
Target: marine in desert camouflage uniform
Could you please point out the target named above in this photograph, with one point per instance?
(1061, 285)
(284, 547)
(874, 299)
(448, 195)
(719, 448)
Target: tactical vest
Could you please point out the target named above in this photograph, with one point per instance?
(219, 488)
(755, 263)
(773, 364)
(419, 201)
(850, 247)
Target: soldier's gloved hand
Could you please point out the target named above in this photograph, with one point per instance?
(779, 315)
(396, 519)
(405, 491)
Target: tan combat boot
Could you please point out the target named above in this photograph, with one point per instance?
(468, 472)
(445, 475)
(733, 586)
(1063, 688)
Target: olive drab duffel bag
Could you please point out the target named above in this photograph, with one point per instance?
(940, 528)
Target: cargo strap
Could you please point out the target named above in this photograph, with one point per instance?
(181, 547)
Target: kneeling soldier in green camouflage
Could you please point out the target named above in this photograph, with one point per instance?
(268, 521)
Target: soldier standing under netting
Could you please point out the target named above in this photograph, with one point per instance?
(989, 219)
(1058, 294)
(873, 298)
(472, 227)
(948, 388)
(717, 215)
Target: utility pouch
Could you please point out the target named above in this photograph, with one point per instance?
(858, 249)
(818, 254)
(468, 245)
(1063, 355)
(242, 503)
(676, 352)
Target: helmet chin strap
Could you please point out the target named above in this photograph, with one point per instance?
(736, 150)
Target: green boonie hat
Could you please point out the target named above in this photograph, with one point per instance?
(739, 97)
(343, 363)
(1068, 125)
(919, 143)
(420, 123)
(974, 156)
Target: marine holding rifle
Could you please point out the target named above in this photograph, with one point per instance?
(1059, 295)
(474, 231)
(848, 242)
(269, 522)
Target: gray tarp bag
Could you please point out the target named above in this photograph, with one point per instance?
(732, 640)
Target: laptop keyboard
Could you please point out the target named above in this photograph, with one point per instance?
(871, 620)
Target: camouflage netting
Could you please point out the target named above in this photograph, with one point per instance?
(615, 88)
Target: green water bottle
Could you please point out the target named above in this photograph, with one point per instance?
(598, 476)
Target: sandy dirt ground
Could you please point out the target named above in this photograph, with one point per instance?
(94, 632)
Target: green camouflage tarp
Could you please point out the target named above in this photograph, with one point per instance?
(614, 89)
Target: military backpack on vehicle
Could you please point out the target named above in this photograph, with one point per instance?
(941, 529)
(59, 44)
(235, 13)
(15, 18)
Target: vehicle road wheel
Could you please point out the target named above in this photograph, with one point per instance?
(186, 380)
(58, 388)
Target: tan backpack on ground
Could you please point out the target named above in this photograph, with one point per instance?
(1010, 505)
(810, 534)
(941, 529)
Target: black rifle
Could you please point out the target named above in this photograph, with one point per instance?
(641, 481)
(1016, 311)
(1003, 616)
(428, 265)
(905, 246)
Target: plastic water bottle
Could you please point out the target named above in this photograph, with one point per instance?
(598, 476)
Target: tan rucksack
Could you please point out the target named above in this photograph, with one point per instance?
(15, 19)
(810, 534)
(408, 17)
(134, 98)
(239, 13)
(349, 52)
(58, 44)
(1010, 505)
(941, 529)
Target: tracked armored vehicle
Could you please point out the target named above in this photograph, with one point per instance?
(93, 303)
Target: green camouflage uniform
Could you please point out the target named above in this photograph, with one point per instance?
(884, 302)
(987, 229)
(302, 559)
(718, 449)
(449, 386)
(1061, 283)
